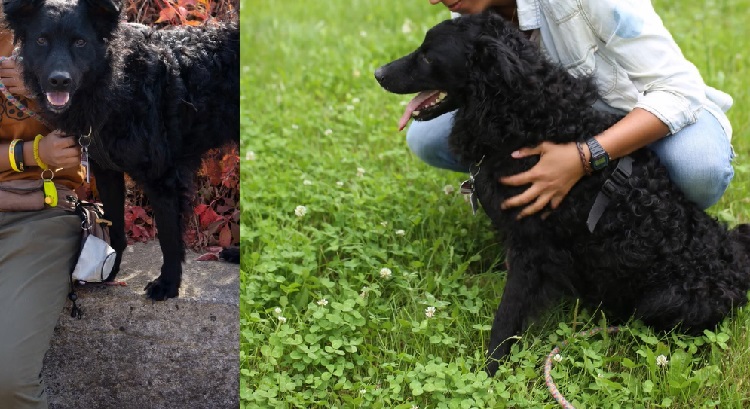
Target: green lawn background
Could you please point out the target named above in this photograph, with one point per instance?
(335, 297)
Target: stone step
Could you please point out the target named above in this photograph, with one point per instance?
(129, 352)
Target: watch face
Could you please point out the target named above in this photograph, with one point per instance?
(600, 162)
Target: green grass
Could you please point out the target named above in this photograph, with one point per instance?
(323, 135)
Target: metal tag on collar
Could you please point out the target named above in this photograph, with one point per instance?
(467, 186)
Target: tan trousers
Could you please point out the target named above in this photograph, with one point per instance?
(37, 251)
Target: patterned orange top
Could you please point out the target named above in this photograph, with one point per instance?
(15, 124)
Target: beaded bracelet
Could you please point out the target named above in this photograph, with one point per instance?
(586, 165)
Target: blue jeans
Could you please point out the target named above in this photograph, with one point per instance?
(698, 158)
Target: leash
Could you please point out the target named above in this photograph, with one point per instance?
(551, 357)
(615, 184)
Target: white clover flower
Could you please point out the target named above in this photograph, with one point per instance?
(277, 310)
(429, 312)
(295, 126)
(327, 132)
(363, 294)
(363, 391)
(414, 406)
(360, 172)
(356, 73)
(385, 272)
(384, 224)
(400, 232)
(322, 302)
(282, 319)
(300, 211)
(250, 155)
(363, 33)
(350, 107)
(355, 100)
(557, 358)
(406, 27)
(661, 360)
(307, 182)
(448, 189)
(339, 183)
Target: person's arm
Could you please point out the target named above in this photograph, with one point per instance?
(560, 166)
(669, 86)
(56, 150)
(671, 94)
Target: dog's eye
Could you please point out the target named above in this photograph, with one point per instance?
(41, 41)
(80, 42)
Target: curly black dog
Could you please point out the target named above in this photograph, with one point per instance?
(152, 101)
(653, 255)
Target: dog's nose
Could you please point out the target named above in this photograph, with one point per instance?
(59, 79)
(379, 74)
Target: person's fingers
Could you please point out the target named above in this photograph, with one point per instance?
(524, 152)
(556, 200)
(519, 179)
(524, 198)
(535, 207)
(7, 63)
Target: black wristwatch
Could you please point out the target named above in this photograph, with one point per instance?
(599, 157)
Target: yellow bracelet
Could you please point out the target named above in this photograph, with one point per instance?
(12, 156)
(36, 152)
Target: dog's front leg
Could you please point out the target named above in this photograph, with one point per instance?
(111, 187)
(522, 290)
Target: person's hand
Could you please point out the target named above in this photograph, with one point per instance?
(558, 169)
(58, 150)
(10, 75)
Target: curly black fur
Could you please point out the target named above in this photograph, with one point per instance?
(152, 100)
(654, 255)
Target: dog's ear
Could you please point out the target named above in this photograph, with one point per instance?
(500, 50)
(495, 57)
(18, 11)
(105, 15)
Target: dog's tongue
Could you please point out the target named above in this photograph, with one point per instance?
(413, 105)
(58, 98)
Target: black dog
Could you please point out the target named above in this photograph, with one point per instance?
(152, 101)
(653, 255)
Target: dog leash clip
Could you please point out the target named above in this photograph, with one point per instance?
(85, 141)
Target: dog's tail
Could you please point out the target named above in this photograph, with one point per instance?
(231, 254)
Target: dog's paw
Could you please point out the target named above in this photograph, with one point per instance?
(160, 290)
(491, 367)
(230, 254)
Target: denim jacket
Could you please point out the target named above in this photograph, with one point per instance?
(634, 59)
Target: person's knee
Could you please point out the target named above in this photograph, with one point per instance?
(419, 143)
(428, 140)
(707, 182)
